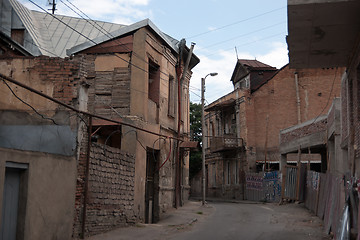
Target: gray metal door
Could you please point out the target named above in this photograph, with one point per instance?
(10, 204)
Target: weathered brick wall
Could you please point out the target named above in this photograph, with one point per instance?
(110, 191)
(303, 131)
(107, 88)
(331, 117)
(63, 73)
(274, 106)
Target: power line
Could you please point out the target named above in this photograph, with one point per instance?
(243, 35)
(248, 43)
(119, 122)
(328, 100)
(27, 104)
(234, 23)
(130, 63)
(108, 34)
(67, 25)
(30, 42)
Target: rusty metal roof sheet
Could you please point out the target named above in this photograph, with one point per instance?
(255, 64)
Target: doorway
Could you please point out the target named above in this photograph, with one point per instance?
(14, 202)
(152, 213)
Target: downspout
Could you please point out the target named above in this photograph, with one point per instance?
(180, 81)
(297, 97)
(177, 151)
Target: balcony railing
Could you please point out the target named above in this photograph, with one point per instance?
(224, 143)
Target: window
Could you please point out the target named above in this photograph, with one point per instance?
(107, 135)
(154, 82)
(18, 35)
(171, 97)
(244, 84)
(228, 172)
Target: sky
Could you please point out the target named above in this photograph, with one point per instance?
(223, 31)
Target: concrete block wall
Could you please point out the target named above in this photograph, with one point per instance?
(303, 131)
(110, 191)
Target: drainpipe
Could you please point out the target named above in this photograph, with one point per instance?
(178, 162)
(297, 98)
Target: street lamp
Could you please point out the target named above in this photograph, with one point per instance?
(203, 135)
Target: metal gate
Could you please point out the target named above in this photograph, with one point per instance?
(293, 183)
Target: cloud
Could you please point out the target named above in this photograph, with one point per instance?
(223, 62)
(117, 11)
(216, 86)
(277, 57)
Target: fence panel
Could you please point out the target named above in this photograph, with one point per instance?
(264, 186)
(290, 183)
(312, 190)
(254, 186)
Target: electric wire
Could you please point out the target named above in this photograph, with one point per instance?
(153, 149)
(110, 36)
(119, 122)
(129, 62)
(328, 100)
(27, 104)
(102, 30)
(32, 43)
(248, 43)
(242, 35)
(81, 34)
(136, 136)
(234, 23)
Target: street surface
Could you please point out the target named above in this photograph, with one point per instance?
(257, 221)
(219, 220)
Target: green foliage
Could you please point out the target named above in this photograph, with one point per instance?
(196, 131)
(195, 121)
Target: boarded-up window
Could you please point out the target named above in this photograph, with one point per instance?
(154, 82)
(18, 35)
(171, 97)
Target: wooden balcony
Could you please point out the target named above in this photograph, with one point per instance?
(225, 143)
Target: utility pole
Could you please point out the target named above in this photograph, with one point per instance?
(53, 4)
(203, 135)
(203, 138)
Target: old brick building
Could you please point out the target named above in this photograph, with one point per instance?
(317, 39)
(117, 159)
(243, 126)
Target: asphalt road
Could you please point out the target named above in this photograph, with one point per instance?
(241, 220)
(256, 221)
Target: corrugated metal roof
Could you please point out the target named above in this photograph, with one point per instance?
(53, 36)
(58, 35)
(62, 37)
(171, 42)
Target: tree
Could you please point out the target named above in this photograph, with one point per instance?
(196, 135)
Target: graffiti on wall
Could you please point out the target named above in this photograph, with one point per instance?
(272, 186)
(254, 182)
(263, 186)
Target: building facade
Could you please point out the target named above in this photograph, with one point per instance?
(313, 43)
(112, 154)
(243, 126)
